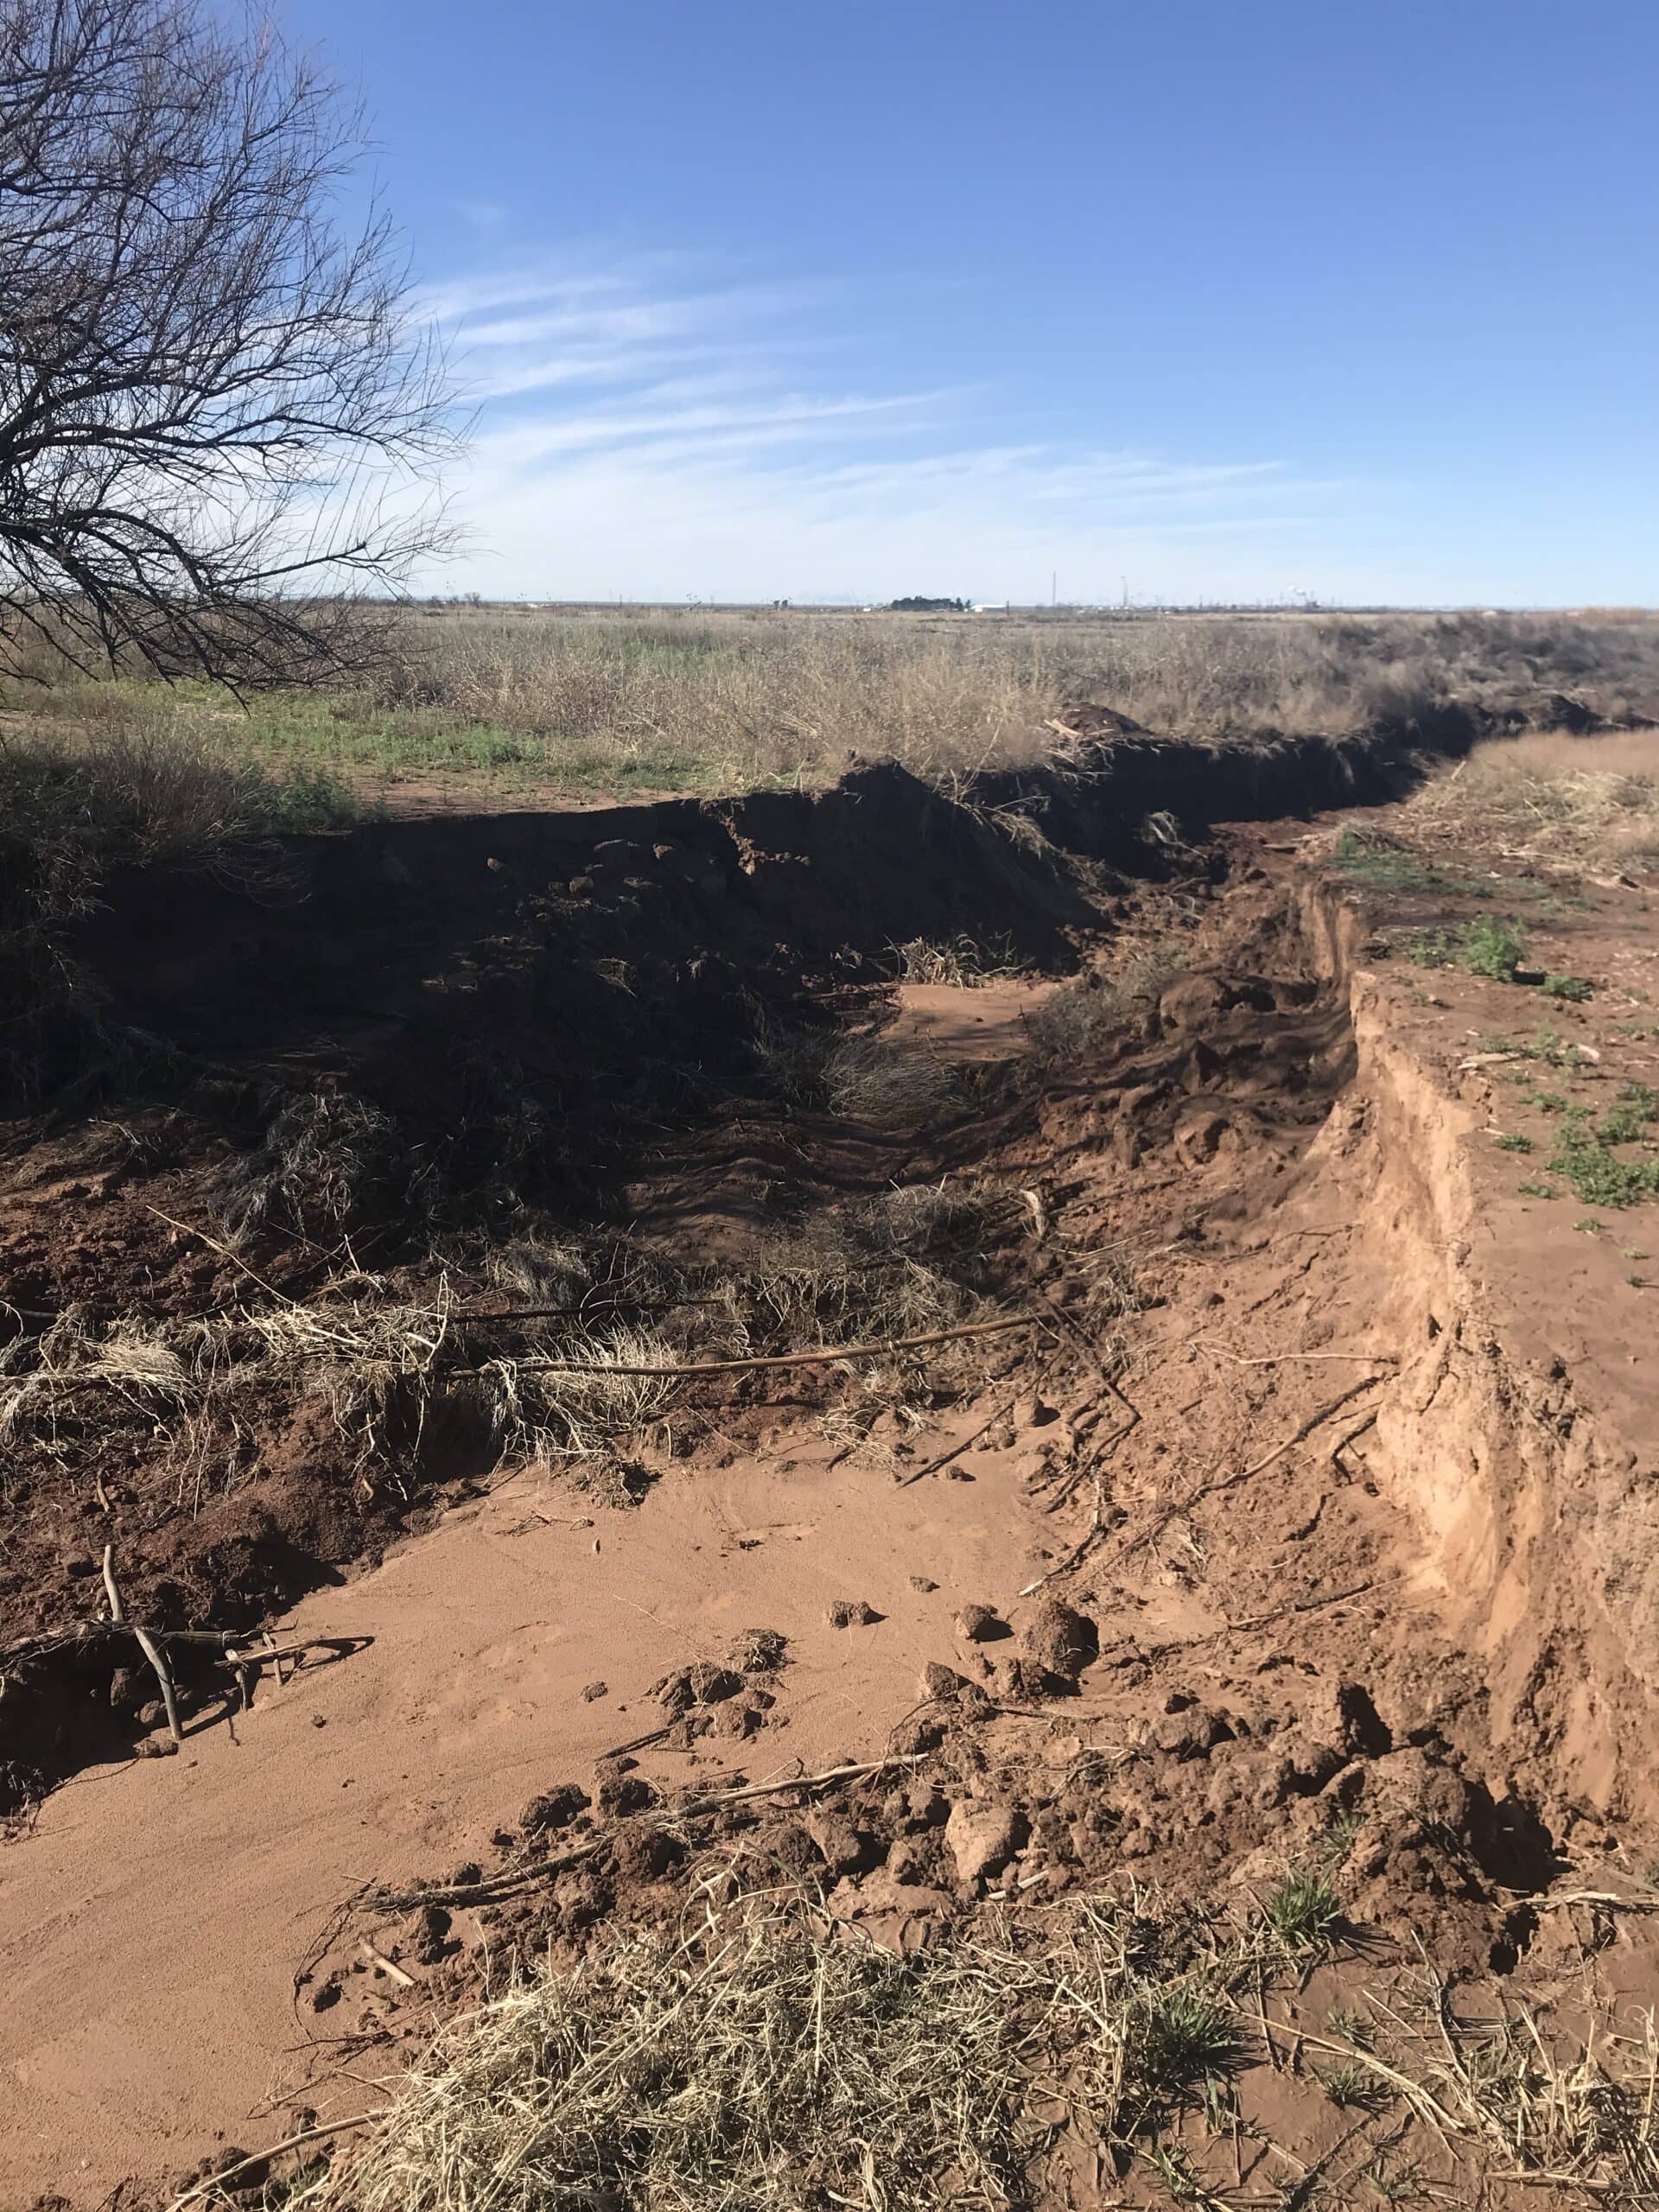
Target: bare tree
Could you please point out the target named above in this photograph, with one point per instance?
(217, 416)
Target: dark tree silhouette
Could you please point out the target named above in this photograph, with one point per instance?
(218, 420)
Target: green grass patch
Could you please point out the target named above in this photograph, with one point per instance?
(1596, 1174)
(1484, 947)
(1576, 987)
(1514, 1143)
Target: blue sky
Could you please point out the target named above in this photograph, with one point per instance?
(1224, 299)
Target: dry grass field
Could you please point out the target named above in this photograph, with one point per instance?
(585, 702)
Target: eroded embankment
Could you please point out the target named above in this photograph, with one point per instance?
(1238, 1196)
(1531, 1478)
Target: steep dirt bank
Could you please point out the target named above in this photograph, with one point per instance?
(1521, 1430)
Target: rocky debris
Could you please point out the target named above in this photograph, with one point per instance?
(555, 1809)
(1190, 1002)
(983, 1837)
(592, 1691)
(923, 1582)
(428, 1937)
(940, 1680)
(916, 1737)
(1032, 1411)
(701, 1683)
(787, 1843)
(1363, 1732)
(1058, 1641)
(1017, 1682)
(845, 1849)
(625, 1793)
(981, 1624)
(760, 1651)
(645, 1855)
(851, 1612)
(1193, 1733)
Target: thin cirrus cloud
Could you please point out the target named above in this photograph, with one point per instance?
(644, 435)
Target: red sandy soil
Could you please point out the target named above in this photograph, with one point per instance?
(1380, 1543)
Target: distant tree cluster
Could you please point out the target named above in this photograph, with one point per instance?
(216, 425)
(917, 605)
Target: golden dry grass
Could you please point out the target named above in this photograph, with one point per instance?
(629, 699)
(1590, 801)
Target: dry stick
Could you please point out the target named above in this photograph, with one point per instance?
(146, 1644)
(389, 1968)
(224, 1250)
(263, 2158)
(1231, 1481)
(956, 1450)
(1086, 1543)
(713, 1803)
(514, 1878)
(824, 1356)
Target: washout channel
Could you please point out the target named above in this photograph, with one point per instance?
(939, 1355)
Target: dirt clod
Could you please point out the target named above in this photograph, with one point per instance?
(1059, 1640)
(983, 1838)
(553, 1809)
(850, 1612)
(981, 1624)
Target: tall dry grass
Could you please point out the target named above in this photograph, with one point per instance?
(577, 699)
(1592, 802)
(787, 692)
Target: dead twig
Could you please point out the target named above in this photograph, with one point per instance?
(224, 1250)
(1256, 1467)
(392, 1971)
(824, 1356)
(318, 2134)
(147, 1644)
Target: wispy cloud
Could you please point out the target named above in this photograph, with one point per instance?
(647, 432)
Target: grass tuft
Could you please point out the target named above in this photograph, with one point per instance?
(1303, 1911)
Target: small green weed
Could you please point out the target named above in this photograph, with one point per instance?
(1514, 1143)
(1576, 987)
(1487, 947)
(1538, 1190)
(1303, 1911)
(1599, 1177)
(1626, 1120)
(1382, 863)
(1183, 2039)
(1491, 948)
(1353, 2027)
(1351, 2086)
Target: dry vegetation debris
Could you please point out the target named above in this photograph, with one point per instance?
(766, 2055)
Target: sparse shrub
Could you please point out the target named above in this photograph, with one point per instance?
(962, 962)
(1074, 1022)
(1491, 948)
(1575, 987)
(1596, 1174)
(1514, 1143)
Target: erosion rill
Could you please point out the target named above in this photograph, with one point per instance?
(530, 1251)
